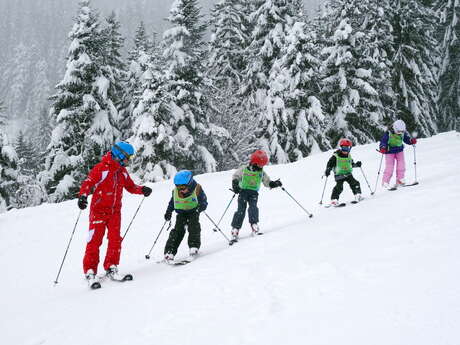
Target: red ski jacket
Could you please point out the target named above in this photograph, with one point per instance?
(108, 178)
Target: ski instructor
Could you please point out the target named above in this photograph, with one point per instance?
(107, 178)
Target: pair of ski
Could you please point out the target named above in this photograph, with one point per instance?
(180, 262)
(99, 279)
(342, 204)
(403, 185)
(237, 239)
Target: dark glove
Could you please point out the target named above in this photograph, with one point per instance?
(327, 172)
(274, 184)
(201, 208)
(413, 141)
(236, 186)
(168, 215)
(82, 202)
(358, 164)
(146, 190)
(383, 150)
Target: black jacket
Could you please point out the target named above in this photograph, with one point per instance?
(332, 163)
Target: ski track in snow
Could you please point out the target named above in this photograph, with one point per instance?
(385, 271)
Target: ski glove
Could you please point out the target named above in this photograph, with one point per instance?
(201, 208)
(146, 190)
(413, 141)
(168, 215)
(274, 184)
(358, 164)
(383, 150)
(82, 202)
(327, 172)
(236, 186)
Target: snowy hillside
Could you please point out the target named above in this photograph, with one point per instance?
(386, 271)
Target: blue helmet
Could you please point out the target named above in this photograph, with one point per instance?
(183, 177)
(122, 150)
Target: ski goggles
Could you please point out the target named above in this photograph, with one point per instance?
(182, 187)
(345, 148)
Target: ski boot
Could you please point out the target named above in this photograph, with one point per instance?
(400, 183)
(91, 279)
(255, 229)
(169, 258)
(235, 233)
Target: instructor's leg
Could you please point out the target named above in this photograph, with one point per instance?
(94, 241)
(114, 246)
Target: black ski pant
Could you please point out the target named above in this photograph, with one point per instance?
(354, 185)
(246, 197)
(191, 220)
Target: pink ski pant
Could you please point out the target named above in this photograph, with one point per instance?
(390, 159)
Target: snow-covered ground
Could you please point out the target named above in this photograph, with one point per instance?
(386, 271)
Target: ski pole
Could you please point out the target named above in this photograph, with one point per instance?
(309, 214)
(366, 179)
(67, 249)
(233, 197)
(415, 166)
(324, 188)
(378, 174)
(131, 222)
(217, 227)
(147, 256)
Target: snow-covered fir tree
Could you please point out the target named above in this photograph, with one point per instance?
(226, 66)
(298, 120)
(114, 65)
(414, 65)
(82, 110)
(28, 158)
(352, 80)
(15, 82)
(8, 166)
(38, 99)
(138, 59)
(449, 73)
(194, 142)
(272, 22)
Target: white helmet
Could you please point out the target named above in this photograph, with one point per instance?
(399, 126)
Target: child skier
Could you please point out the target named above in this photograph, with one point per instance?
(391, 145)
(246, 182)
(188, 200)
(343, 165)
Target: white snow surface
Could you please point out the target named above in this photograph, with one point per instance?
(385, 271)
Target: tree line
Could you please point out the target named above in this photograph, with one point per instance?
(268, 77)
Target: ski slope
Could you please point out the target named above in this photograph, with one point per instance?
(385, 271)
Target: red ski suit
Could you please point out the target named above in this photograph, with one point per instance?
(108, 178)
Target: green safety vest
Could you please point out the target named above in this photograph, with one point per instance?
(395, 140)
(251, 179)
(343, 165)
(188, 203)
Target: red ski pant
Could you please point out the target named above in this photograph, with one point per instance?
(98, 222)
